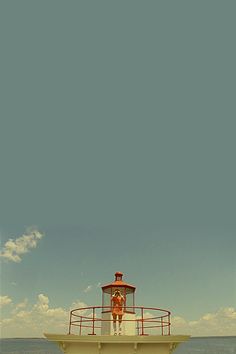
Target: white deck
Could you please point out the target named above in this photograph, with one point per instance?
(106, 344)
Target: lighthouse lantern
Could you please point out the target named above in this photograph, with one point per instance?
(128, 292)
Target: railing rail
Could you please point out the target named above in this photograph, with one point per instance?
(148, 320)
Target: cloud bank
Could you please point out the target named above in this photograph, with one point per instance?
(27, 320)
(219, 323)
(14, 249)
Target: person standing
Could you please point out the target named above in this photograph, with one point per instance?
(117, 301)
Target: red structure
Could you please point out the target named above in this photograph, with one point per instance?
(138, 320)
(126, 290)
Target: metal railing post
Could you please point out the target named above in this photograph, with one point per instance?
(93, 320)
(137, 328)
(70, 323)
(142, 334)
(168, 324)
(80, 326)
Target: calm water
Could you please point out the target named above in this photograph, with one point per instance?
(209, 345)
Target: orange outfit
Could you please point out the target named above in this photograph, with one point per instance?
(117, 305)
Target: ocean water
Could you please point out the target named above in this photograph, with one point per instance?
(207, 345)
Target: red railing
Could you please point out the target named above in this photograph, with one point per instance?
(148, 320)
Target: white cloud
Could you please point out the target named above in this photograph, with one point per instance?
(78, 304)
(33, 320)
(229, 312)
(89, 288)
(5, 300)
(178, 322)
(146, 315)
(13, 249)
(6, 321)
(20, 306)
(219, 323)
(42, 308)
(42, 305)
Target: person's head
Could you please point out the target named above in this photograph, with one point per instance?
(117, 292)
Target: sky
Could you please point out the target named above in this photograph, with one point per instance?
(117, 144)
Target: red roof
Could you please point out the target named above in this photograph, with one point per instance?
(118, 282)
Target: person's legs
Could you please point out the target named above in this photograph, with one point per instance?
(120, 321)
(114, 322)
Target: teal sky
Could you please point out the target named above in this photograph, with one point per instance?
(118, 144)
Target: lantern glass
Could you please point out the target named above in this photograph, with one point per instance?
(106, 301)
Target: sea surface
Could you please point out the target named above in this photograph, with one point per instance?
(206, 345)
